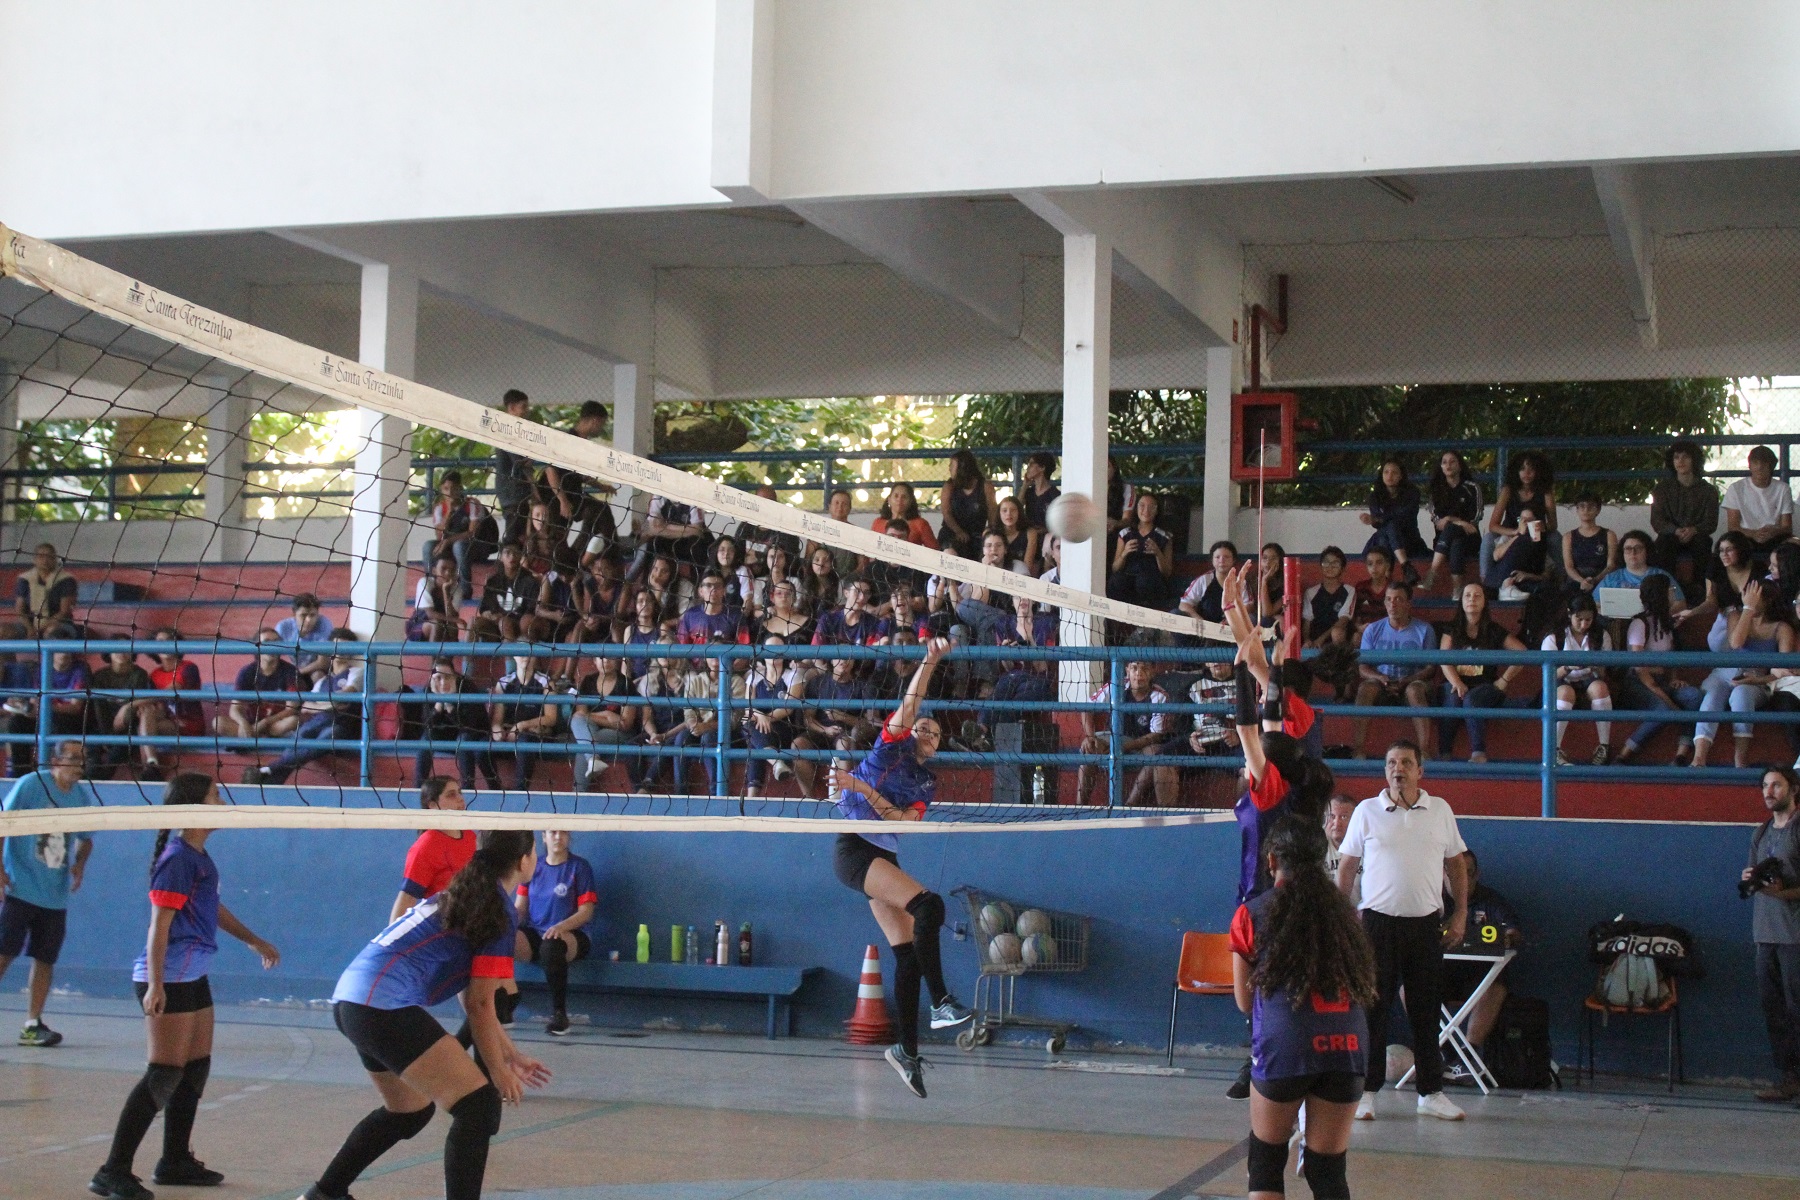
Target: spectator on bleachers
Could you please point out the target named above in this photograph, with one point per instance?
(884, 576)
(1394, 516)
(1455, 509)
(710, 621)
(663, 681)
(513, 473)
(603, 600)
(672, 529)
(70, 680)
(520, 716)
(508, 599)
(1271, 582)
(740, 584)
(324, 715)
(584, 523)
(1760, 507)
(778, 565)
(903, 612)
(783, 616)
(466, 534)
(768, 728)
(1582, 631)
(646, 628)
(674, 594)
(700, 719)
(1143, 559)
(1021, 540)
(1634, 551)
(601, 719)
(1213, 733)
(1121, 498)
(457, 713)
(1143, 730)
(1730, 569)
(1030, 627)
(1394, 683)
(1523, 522)
(847, 728)
(1039, 493)
(437, 605)
(541, 545)
(968, 506)
(45, 594)
(307, 624)
(1590, 552)
(902, 504)
(850, 624)
(985, 611)
(1051, 560)
(272, 676)
(823, 585)
(1371, 593)
(1784, 570)
(844, 562)
(1684, 515)
(758, 540)
(558, 611)
(172, 717)
(119, 716)
(1205, 596)
(1764, 625)
(1473, 685)
(1328, 605)
(1658, 689)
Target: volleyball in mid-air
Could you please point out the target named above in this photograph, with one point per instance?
(1073, 517)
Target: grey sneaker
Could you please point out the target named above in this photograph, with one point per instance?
(39, 1034)
(910, 1068)
(949, 1014)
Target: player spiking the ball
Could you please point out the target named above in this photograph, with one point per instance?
(892, 783)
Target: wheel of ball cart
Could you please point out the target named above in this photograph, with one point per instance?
(965, 1041)
(1055, 1043)
(984, 1035)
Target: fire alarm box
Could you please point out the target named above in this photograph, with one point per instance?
(1262, 437)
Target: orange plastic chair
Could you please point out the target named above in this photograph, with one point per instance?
(1204, 970)
(1670, 1008)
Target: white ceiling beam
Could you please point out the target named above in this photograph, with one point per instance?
(1633, 243)
(743, 102)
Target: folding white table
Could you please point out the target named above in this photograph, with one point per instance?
(1454, 1029)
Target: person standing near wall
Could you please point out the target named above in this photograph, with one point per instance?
(38, 874)
(1406, 844)
(1775, 927)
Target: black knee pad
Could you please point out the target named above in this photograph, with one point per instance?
(927, 909)
(1326, 1176)
(409, 1125)
(161, 1081)
(1268, 1165)
(196, 1072)
(478, 1112)
(505, 1003)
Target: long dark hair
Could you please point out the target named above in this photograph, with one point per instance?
(1653, 594)
(1310, 782)
(965, 472)
(1441, 494)
(1313, 943)
(1544, 482)
(188, 787)
(1378, 491)
(472, 906)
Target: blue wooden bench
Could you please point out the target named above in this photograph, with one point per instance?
(777, 985)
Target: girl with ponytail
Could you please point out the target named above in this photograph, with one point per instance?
(1303, 969)
(171, 983)
(458, 941)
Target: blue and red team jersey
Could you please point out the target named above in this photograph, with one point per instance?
(834, 629)
(1319, 1035)
(1265, 802)
(555, 892)
(187, 881)
(434, 860)
(415, 961)
(894, 770)
(920, 624)
(698, 627)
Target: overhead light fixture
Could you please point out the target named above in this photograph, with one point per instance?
(1394, 186)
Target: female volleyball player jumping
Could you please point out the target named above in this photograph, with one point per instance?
(1303, 970)
(170, 977)
(460, 941)
(892, 783)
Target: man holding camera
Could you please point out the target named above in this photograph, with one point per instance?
(1772, 881)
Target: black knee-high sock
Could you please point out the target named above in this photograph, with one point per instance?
(505, 1003)
(906, 995)
(178, 1117)
(556, 972)
(373, 1137)
(927, 909)
(474, 1120)
(147, 1099)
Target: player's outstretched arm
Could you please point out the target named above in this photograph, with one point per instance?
(901, 723)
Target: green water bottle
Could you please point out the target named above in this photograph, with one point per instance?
(676, 944)
(643, 943)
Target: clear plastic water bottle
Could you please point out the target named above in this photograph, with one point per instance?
(693, 947)
(1039, 786)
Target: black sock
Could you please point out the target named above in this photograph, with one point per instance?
(178, 1123)
(147, 1099)
(373, 1137)
(556, 972)
(473, 1121)
(906, 995)
(927, 909)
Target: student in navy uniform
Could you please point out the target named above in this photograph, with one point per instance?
(768, 728)
(1303, 970)
(552, 910)
(459, 942)
(170, 979)
(892, 783)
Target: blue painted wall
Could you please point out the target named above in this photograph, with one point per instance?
(320, 896)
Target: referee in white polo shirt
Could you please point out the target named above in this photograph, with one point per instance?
(1406, 843)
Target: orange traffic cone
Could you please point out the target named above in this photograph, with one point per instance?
(870, 1024)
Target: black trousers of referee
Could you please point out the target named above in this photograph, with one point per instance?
(1409, 953)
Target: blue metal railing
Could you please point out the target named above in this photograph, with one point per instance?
(1110, 714)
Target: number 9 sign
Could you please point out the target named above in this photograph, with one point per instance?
(1489, 935)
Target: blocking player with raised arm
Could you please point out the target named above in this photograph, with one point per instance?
(171, 983)
(553, 906)
(457, 942)
(892, 783)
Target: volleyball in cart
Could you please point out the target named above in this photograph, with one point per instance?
(1011, 940)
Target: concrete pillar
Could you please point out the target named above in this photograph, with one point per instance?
(1220, 496)
(227, 445)
(1087, 382)
(634, 431)
(379, 524)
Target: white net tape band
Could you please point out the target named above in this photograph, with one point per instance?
(105, 291)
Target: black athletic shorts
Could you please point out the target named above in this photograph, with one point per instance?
(534, 939)
(25, 927)
(852, 857)
(387, 1039)
(193, 995)
(1334, 1087)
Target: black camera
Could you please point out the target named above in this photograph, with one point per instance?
(1767, 873)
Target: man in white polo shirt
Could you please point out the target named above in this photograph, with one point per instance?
(1405, 842)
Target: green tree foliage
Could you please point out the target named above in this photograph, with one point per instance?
(110, 469)
(843, 424)
(1134, 418)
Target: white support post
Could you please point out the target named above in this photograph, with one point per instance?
(1087, 384)
(227, 445)
(379, 524)
(634, 430)
(1220, 495)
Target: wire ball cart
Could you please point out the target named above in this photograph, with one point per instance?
(1011, 940)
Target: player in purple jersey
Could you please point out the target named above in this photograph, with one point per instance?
(552, 908)
(171, 984)
(459, 941)
(1304, 971)
(892, 783)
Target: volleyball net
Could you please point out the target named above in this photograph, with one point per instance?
(142, 438)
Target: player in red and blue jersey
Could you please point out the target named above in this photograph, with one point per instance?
(171, 984)
(1303, 969)
(892, 783)
(459, 942)
(552, 909)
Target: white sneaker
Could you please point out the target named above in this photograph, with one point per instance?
(1365, 1107)
(1440, 1106)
